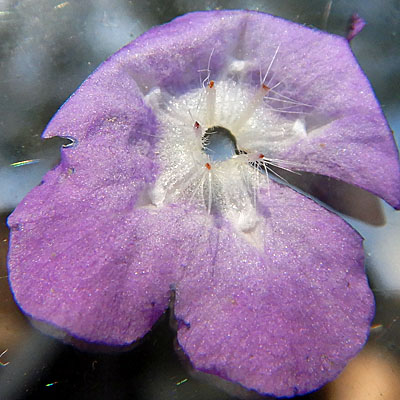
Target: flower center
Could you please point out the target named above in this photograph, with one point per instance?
(219, 144)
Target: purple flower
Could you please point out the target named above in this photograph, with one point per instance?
(166, 188)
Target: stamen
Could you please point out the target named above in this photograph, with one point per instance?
(211, 96)
(200, 187)
(208, 69)
(251, 107)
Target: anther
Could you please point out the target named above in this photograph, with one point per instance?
(265, 87)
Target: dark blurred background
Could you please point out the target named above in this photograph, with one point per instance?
(47, 48)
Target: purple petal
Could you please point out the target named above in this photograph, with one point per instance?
(283, 320)
(80, 258)
(102, 276)
(74, 237)
(342, 150)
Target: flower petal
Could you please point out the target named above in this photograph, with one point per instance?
(100, 276)
(92, 256)
(81, 257)
(342, 150)
(283, 320)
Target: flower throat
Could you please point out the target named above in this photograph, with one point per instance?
(219, 144)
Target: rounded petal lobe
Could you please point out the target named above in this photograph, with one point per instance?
(82, 257)
(101, 275)
(86, 254)
(283, 318)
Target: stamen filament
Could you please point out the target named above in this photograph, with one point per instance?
(211, 96)
(251, 107)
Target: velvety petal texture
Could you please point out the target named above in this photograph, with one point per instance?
(341, 148)
(270, 287)
(73, 237)
(249, 314)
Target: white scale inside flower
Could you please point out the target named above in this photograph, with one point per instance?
(218, 145)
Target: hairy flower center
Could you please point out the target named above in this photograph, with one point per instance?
(219, 142)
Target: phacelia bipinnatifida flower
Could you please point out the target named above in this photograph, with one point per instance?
(170, 184)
